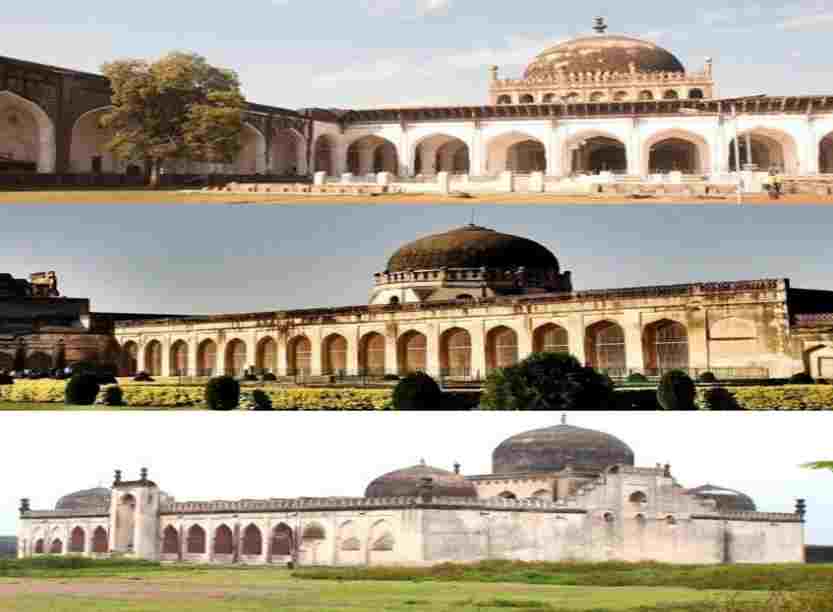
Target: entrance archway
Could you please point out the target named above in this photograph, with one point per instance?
(595, 152)
(88, 150)
(76, 541)
(771, 149)
(372, 154)
(252, 541)
(153, 358)
(125, 521)
(207, 358)
(676, 151)
(441, 153)
(170, 541)
(288, 153)
(372, 354)
(27, 136)
(179, 358)
(100, 543)
(455, 353)
(517, 152)
(223, 540)
(550, 338)
(324, 155)
(235, 357)
(501, 348)
(282, 541)
(195, 542)
(299, 355)
(267, 356)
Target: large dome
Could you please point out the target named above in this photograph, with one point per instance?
(407, 483)
(604, 53)
(88, 499)
(553, 448)
(728, 500)
(472, 247)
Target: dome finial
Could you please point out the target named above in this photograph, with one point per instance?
(599, 25)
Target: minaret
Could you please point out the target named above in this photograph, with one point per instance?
(599, 25)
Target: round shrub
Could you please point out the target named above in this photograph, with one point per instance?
(249, 377)
(112, 396)
(822, 381)
(718, 398)
(255, 400)
(707, 377)
(222, 393)
(417, 391)
(6, 379)
(269, 377)
(636, 377)
(676, 391)
(802, 378)
(81, 390)
(391, 377)
(143, 377)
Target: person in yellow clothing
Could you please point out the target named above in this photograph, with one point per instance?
(773, 184)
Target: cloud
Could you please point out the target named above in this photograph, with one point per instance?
(820, 21)
(433, 7)
(516, 51)
(380, 70)
(406, 8)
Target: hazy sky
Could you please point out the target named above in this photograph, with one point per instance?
(233, 258)
(249, 455)
(300, 53)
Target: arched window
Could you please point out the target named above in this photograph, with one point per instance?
(39, 546)
(130, 358)
(646, 95)
(282, 540)
(670, 346)
(223, 540)
(504, 99)
(620, 96)
(170, 541)
(551, 338)
(335, 355)
(372, 354)
(300, 356)
(76, 540)
(606, 348)
(501, 348)
(670, 95)
(179, 358)
(527, 99)
(314, 532)
(252, 541)
(455, 347)
(412, 352)
(267, 356)
(549, 98)
(696, 94)
(508, 495)
(207, 358)
(235, 357)
(100, 543)
(196, 540)
(597, 96)
(57, 547)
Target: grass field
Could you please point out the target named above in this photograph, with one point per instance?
(46, 585)
(148, 196)
(54, 406)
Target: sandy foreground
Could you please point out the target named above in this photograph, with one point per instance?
(191, 197)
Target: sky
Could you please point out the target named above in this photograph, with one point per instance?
(188, 259)
(338, 454)
(369, 53)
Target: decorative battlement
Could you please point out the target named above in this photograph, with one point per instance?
(101, 511)
(514, 277)
(325, 315)
(603, 78)
(759, 517)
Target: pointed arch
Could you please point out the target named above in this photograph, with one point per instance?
(179, 358)
(282, 540)
(77, 539)
(550, 338)
(195, 540)
(207, 358)
(665, 346)
(288, 152)
(455, 353)
(27, 133)
(440, 152)
(235, 357)
(334, 355)
(605, 347)
(299, 356)
(412, 351)
(223, 540)
(594, 151)
(676, 150)
(252, 156)
(372, 351)
(100, 540)
(153, 358)
(324, 155)
(170, 541)
(267, 355)
(130, 358)
(372, 154)
(57, 547)
(501, 348)
(381, 543)
(88, 150)
(39, 546)
(252, 540)
(516, 151)
(771, 149)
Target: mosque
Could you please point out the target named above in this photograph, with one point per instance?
(558, 493)
(598, 109)
(456, 305)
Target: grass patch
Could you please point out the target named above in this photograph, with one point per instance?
(614, 574)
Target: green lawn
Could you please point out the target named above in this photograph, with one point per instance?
(53, 406)
(272, 590)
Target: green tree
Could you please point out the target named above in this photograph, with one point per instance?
(819, 465)
(548, 381)
(177, 107)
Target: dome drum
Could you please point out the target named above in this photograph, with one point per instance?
(412, 482)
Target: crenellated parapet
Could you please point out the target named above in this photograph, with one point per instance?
(753, 517)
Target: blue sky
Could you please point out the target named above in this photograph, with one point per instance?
(712, 448)
(359, 53)
(233, 258)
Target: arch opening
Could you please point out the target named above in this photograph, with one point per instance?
(235, 358)
(130, 358)
(335, 355)
(27, 136)
(179, 358)
(153, 358)
(413, 356)
(455, 353)
(170, 541)
(223, 540)
(551, 338)
(324, 155)
(76, 541)
(605, 348)
(299, 353)
(288, 153)
(665, 347)
(770, 150)
(501, 348)
(100, 540)
(207, 358)
(252, 541)
(372, 355)
(441, 153)
(675, 155)
(88, 150)
(597, 153)
(517, 152)
(267, 356)
(282, 540)
(372, 154)
(196, 540)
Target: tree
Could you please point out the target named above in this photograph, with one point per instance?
(819, 465)
(676, 391)
(548, 381)
(177, 107)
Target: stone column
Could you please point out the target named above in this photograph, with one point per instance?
(810, 161)
(698, 342)
(391, 353)
(193, 350)
(632, 325)
(555, 162)
(478, 349)
(220, 357)
(575, 337)
(268, 543)
(316, 361)
(166, 356)
(507, 182)
(443, 182)
(524, 339)
(403, 153)
(282, 354)
(251, 349)
(633, 148)
(180, 553)
(477, 153)
(432, 351)
(88, 541)
(353, 343)
(235, 544)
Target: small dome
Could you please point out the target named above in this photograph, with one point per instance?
(408, 481)
(472, 246)
(553, 448)
(728, 500)
(603, 53)
(88, 499)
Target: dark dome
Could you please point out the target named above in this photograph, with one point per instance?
(728, 500)
(471, 247)
(407, 483)
(88, 499)
(553, 448)
(605, 53)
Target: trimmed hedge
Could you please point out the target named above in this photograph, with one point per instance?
(417, 391)
(676, 391)
(222, 393)
(81, 390)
